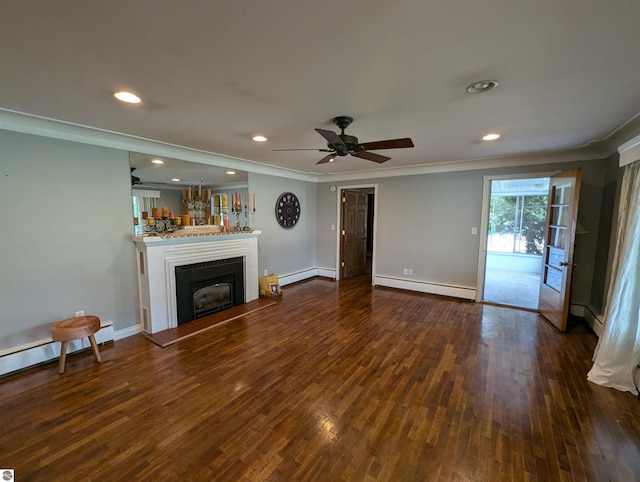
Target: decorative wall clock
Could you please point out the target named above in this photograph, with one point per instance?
(287, 210)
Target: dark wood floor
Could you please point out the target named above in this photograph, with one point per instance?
(339, 381)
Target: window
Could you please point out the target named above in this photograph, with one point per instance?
(143, 201)
(517, 216)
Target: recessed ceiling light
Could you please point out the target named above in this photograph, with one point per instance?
(175, 179)
(157, 161)
(332, 159)
(491, 137)
(127, 97)
(482, 86)
(231, 172)
(259, 138)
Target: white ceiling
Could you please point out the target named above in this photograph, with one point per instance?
(213, 73)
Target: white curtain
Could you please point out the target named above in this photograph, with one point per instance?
(618, 351)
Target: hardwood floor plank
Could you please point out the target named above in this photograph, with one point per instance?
(182, 332)
(338, 381)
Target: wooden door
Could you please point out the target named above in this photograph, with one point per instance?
(555, 282)
(354, 234)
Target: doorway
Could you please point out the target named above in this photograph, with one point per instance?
(514, 241)
(356, 233)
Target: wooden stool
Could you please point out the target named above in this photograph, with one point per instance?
(74, 329)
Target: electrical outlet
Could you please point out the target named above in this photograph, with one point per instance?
(405, 271)
(266, 272)
(410, 272)
(474, 230)
(80, 313)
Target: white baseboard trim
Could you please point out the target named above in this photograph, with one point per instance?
(595, 321)
(287, 279)
(578, 310)
(125, 332)
(464, 292)
(24, 356)
(327, 273)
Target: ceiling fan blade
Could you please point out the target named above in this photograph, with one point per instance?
(330, 136)
(371, 156)
(326, 159)
(321, 150)
(390, 144)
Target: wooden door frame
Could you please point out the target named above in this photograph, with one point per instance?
(354, 187)
(484, 217)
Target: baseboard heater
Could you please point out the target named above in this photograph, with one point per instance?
(34, 353)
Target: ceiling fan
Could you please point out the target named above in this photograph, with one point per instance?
(343, 144)
(136, 181)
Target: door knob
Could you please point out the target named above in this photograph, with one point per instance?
(564, 263)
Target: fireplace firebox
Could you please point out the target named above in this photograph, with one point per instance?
(208, 287)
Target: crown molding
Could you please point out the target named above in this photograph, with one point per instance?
(43, 126)
(15, 121)
(554, 157)
(629, 151)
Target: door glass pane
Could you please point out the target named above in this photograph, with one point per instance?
(557, 236)
(560, 194)
(559, 220)
(553, 278)
(559, 215)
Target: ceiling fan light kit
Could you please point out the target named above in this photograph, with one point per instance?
(343, 144)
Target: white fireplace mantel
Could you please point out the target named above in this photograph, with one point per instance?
(157, 258)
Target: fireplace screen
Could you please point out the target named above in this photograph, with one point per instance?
(208, 287)
(212, 298)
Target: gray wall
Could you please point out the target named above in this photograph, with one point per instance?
(66, 237)
(424, 222)
(326, 205)
(284, 251)
(605, 246)
(66, 241)
(433, 235)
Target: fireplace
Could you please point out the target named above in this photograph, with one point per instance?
(209, 287)
(157, 260)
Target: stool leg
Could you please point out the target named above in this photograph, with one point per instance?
(96, 352)
(63, 356)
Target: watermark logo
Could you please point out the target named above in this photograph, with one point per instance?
(7, 474)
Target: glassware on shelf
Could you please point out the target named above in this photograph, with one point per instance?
(237, 210)
(247, 228)
(197, 203)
